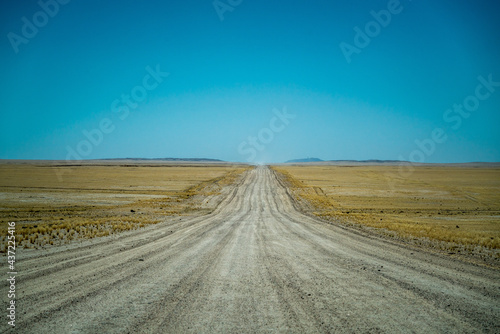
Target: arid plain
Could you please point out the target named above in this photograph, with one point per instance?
(54, 203)
(454, 207)
(217, 248)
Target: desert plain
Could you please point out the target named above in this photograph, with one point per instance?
(134, 247)
(54, 203)
(455, 204)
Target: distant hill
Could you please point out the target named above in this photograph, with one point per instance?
(377, 162)
(304, 160)
(368, 161)
(167, 159)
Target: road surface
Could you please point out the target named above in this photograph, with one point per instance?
(254, 265)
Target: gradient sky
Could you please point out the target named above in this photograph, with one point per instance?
(228, 78)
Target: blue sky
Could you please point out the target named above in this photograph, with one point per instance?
(234, 71)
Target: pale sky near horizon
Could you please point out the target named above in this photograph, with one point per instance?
(257, 81)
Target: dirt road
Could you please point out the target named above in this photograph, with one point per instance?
(254, 265)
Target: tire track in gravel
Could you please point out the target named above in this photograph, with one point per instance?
(255, 264)
(442, 281)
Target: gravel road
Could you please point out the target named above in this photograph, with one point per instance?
(254, 265)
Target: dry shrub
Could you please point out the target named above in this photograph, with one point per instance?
(411, 218)
(45, 225)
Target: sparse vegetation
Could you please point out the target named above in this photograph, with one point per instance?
(457, 206)
(95, 201)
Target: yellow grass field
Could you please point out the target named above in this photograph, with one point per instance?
(98, 200)
(454, 204)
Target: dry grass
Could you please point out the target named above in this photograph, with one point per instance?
(456, 205)
(96, 201)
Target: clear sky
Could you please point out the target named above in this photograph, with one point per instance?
(259, 81)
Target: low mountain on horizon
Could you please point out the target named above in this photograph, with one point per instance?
(369, 161)
(167, 159)
(304, 160)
